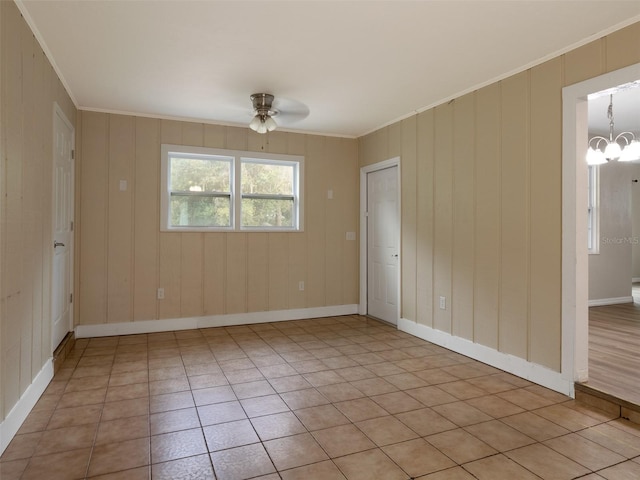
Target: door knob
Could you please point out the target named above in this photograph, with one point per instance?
(57, 244)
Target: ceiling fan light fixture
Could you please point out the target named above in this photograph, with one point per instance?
(263, 121)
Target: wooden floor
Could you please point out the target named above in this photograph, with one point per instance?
(614, 350)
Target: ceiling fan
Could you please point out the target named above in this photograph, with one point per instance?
(266, 107)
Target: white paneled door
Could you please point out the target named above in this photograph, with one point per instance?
(383, 244)
(62, 244)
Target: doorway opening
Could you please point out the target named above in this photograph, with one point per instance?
(380, 241)
(575, 263)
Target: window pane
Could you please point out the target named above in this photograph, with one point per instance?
(267, 179)
(196, 211)
(200, 175)
(267, 213)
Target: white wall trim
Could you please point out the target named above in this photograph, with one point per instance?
(190, 323)
(599, 302)
(12, 423)
(392, 162)
(575, 267)
(635, 279)
(509, 363)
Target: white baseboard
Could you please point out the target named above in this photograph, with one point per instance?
(635, 279)
(600, 302)
(12, 423)
(189, 323)
(509, 363)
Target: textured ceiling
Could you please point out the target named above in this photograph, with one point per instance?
(342, 67)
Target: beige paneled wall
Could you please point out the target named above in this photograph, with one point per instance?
(124, 258)
(29, 89)
(482, 201)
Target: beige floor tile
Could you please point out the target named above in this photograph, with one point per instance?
(495, 406)
(462, 390)
(123, 429)
(384, 369)
(198, 467)
(127, 392)
(567, 417)
(22, 446)
(323, 416)
(174, 445)
(355, 373)
(258, 388)
(68, 417)
(525, 399)
(306, 398)
(361, 409)
(616, 440)
(171, 401)
(244, 376)
(406, 381)
(455, 473)
(325, 377)
(546, 463)
(368, 465)
(125, 408)
(326, 470)
(460, 446)
(397, 402)
(425, 421)
(623, 471)
(339, 362)
(339, 392)
(114, 457)
(534, 426)
(58, 466)
(268, 405)
(386, 430)
(461, 413)
(220, 413)
(206, 396)
(277, 425)
(140, 473)
(173, 421)
(289, 384)
(242, 462)
(342, 440)
(431, 396)
(584, 451)
(207, 380)
(67, 438)
(170, 385)
(417, 457)
(13, 470)
(230, 435)
(167, 373)
(294, 451)
(500, 436)
(129, 378)
(498, 467)
(87, 383)
(84, 397)
(374, 386)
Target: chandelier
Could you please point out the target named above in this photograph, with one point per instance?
(602, 150)
(262, 121)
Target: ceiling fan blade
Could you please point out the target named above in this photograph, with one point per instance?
(289, 110)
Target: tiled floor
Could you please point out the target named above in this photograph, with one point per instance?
(335, 398)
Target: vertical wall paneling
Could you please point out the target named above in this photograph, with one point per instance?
(170, 268)
(92, 294)
(443, 221)
(348, 198)
(236, 271)
(278, 271)
(546, 222)
(584, 62)
(297, 253)
(120, 218)
(315, 199)
(463, 216)
(28, 91)
(214, 273)
(514, 288)
(487, 246)
(258, 272)
(424, 218)
(623, 47)
(408, 224)
(146, 214)
(334, 230)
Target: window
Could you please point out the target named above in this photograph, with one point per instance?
(205, 189)
(593, 244)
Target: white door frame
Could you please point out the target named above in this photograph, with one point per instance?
(575, 260)
(364, 171)
(58, 112)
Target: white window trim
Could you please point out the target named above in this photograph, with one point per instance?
(593, 180)
(236, 191)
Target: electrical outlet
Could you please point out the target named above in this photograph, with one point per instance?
(330, 194)
(443, 303)
(161, 294)
(301, 285)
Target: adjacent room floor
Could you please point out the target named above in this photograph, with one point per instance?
(335, 398)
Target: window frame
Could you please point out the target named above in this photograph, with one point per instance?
(236, 158)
